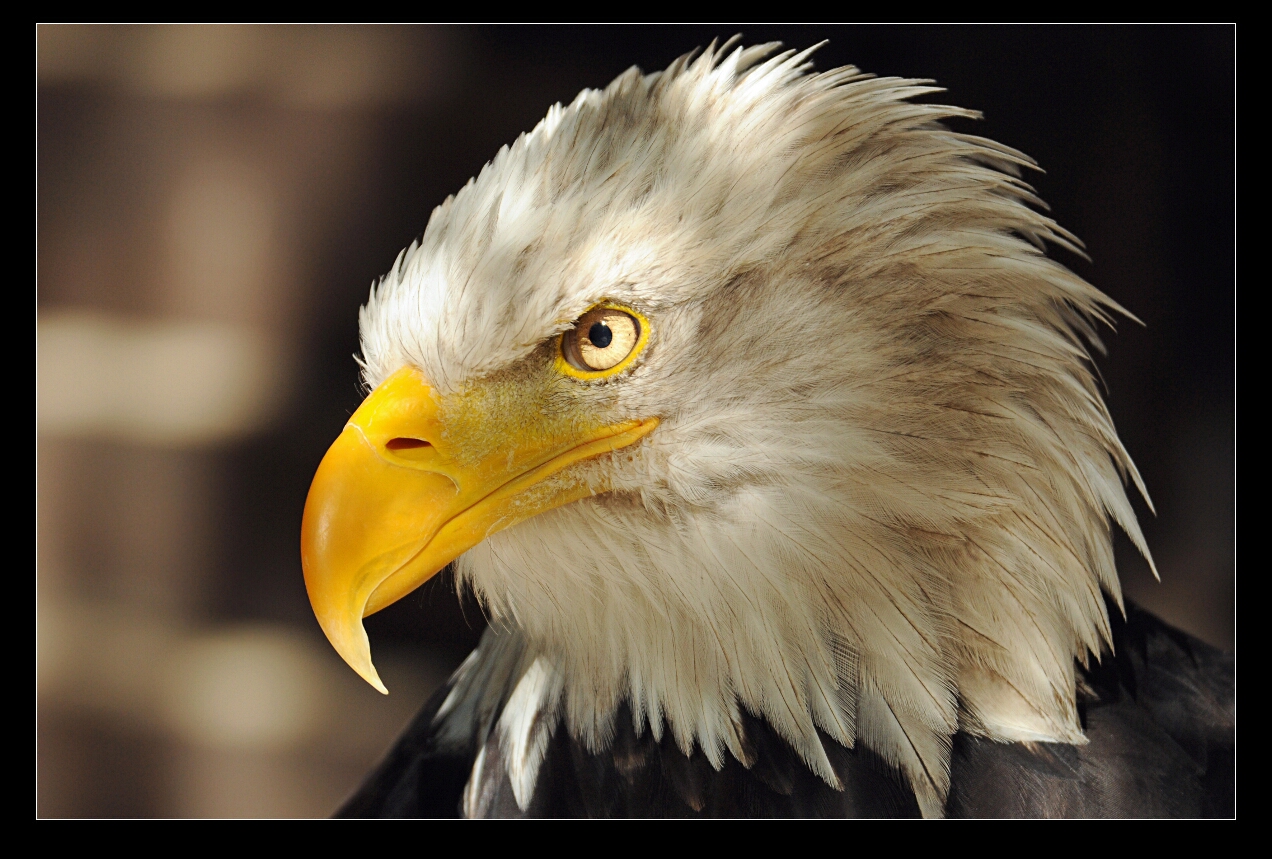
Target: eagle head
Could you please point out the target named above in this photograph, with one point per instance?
(739, 388)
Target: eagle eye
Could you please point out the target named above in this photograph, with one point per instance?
(602, 341)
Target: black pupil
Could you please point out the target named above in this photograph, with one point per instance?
(600, 335)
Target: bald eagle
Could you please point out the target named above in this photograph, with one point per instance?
(748, 403)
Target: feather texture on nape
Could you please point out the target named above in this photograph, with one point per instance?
(878, 505)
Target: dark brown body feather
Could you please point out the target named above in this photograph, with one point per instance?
(1159, 717)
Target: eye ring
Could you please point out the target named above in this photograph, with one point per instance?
(603, 342)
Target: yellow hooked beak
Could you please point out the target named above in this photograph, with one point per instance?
(410, 485)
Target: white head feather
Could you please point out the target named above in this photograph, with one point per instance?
(879, 500)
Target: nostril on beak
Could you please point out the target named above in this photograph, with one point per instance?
(407, 443)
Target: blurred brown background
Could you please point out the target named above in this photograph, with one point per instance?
(213, 204)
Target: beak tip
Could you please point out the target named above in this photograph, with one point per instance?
(367, 672)
(349, 639)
